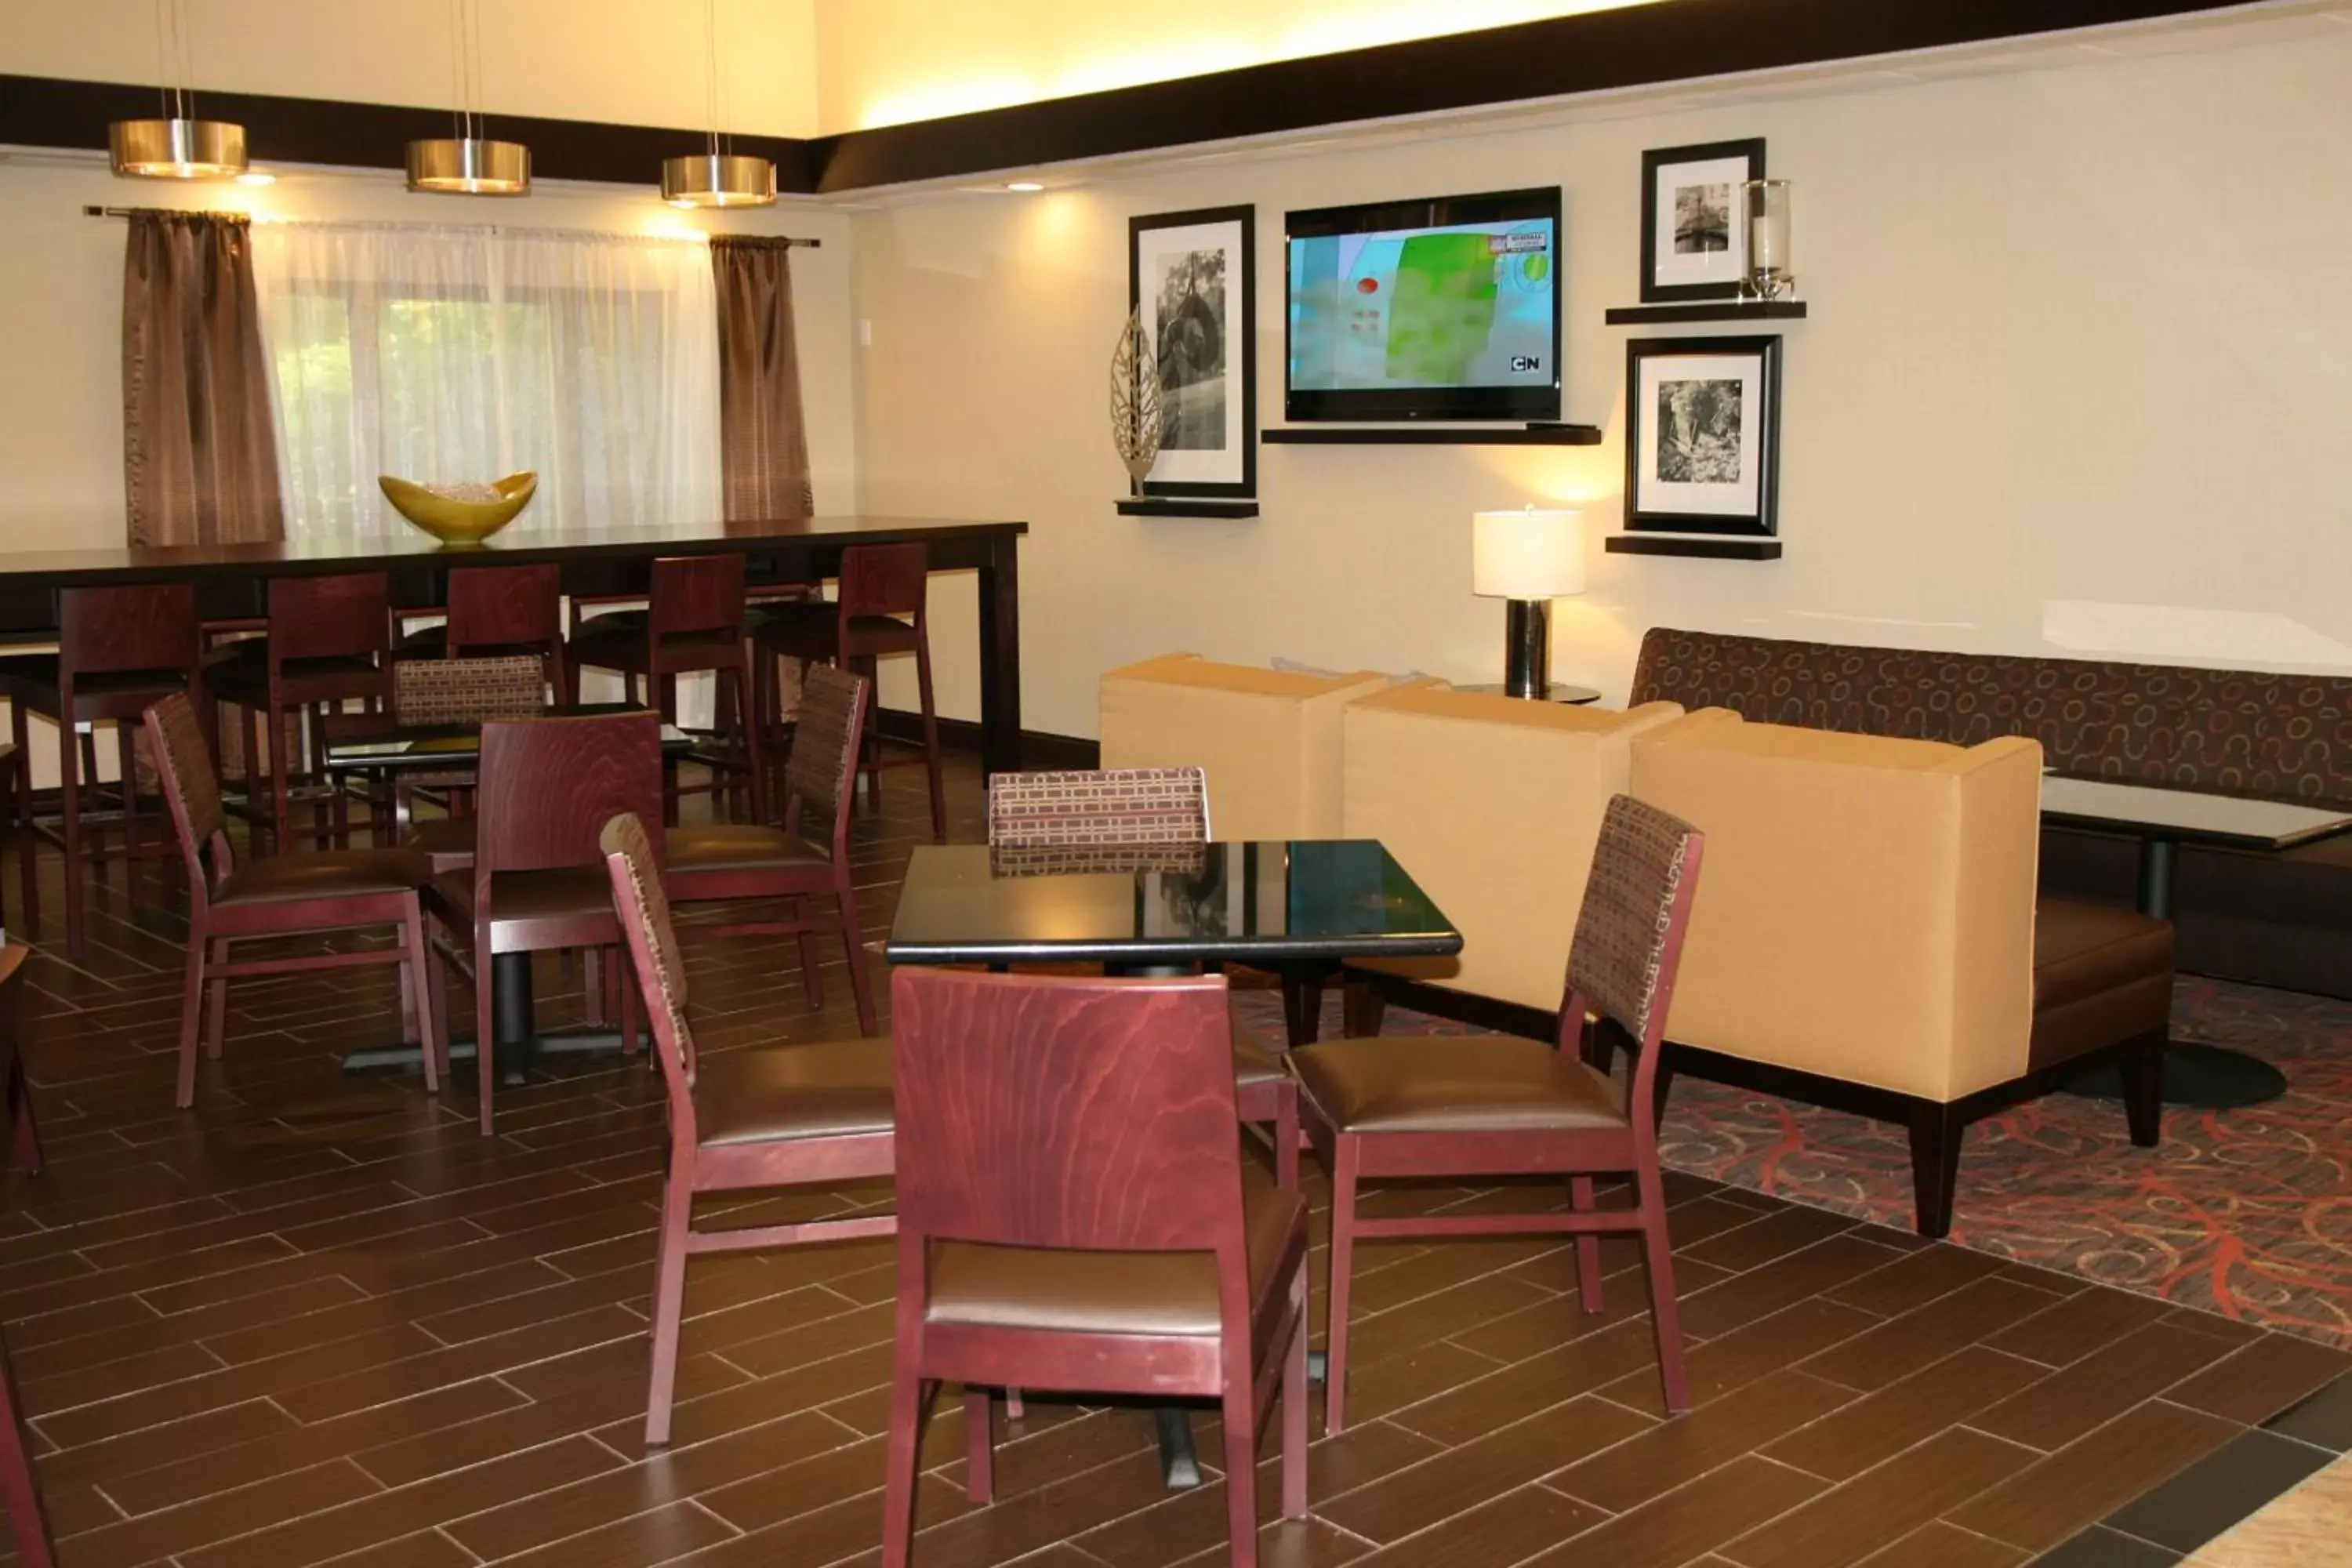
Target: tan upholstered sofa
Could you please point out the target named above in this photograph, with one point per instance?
(1269, 739)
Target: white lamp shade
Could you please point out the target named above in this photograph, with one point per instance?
(1527, 554)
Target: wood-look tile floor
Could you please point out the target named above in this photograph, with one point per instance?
(319, 1320)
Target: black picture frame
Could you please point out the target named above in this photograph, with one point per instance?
(1238, 477)
(1760, 403)
(1656, 245)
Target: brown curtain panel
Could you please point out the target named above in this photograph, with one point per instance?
(199, 448)
(763, 439)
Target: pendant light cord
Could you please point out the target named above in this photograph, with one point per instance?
(711, 68)
(174, 67)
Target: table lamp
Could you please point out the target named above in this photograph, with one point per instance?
(1529, 558)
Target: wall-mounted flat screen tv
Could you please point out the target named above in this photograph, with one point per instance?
(1447, 308)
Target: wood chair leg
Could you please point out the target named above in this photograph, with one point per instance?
(1336, 1292)
(250, 727)
(18, 1092)
(1362, 1009)
(1285, 1138)
(1936, 1132)
(1294, 1407)
(812, 956)
(931, 742)
(27, 845)
(69, 789)
(670, 1302)
(282, 824)
(1665, 1318)
(901, 1458)
(486, 1036)
(853, 938)
(1241, 1466)
(1588, 1245)
(216, 1002)
(19, 1490)
(437, 995)
(191, 1012)
(2142, 1074)
(747, 717)
(624, 980)
(1302, 1007)
(416, 971)
(980, 1446)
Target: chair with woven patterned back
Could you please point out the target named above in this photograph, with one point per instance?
(498, 611)
(293, 893)
(457, 691)
(1073, 1215)
(696, 621)
(879, 611)
(1490, 1105)
(1116, 806)
(762, 1117)
(545, 790)
(807, 860)
(18, 1489)
(118, 651)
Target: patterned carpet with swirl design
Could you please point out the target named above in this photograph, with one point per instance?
(2246, 1212)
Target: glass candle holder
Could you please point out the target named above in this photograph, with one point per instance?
(1764, 214)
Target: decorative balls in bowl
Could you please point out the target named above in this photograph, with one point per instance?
(460, 514)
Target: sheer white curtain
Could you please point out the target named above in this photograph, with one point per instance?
(460, 355)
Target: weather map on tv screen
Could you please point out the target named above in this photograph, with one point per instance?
(1465, 305)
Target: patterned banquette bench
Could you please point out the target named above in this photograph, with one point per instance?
(2283, 920)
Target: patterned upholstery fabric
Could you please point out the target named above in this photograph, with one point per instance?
(1629, 902)
(822, 762)
(2244, 732)
(468, 690)
(1084, 860)
(1110, 806)
(189, 768)
(624, 835)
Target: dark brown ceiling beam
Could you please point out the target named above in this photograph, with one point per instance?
(1640, 46)
(46, 112)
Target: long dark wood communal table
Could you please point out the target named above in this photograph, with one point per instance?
(231, 578)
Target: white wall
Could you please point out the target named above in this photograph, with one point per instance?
(2079, 378)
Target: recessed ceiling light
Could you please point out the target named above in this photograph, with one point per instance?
(256, 177)
(1025, 187)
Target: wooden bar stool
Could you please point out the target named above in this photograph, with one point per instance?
(880, 611)
(695, 622)
(119, 649)
(328, 643)
(495, 611)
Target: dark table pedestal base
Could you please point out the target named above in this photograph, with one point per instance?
(520, 1043)
(2204, 1077)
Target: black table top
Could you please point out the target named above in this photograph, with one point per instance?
(1153, 904)
(2186, 817)
(360, 742)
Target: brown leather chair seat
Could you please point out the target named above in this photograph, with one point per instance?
(39, 672)
(1479, 1083)
(2100, 975)
(1254, 1061)
(1117, 1292)
(246, 663)
(326, 874)
(445, 842)
(520, 896)
(433, 642)
(777, 1093)
(735, 847)
(821, 619)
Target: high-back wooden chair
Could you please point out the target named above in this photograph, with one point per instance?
(290, 894)
(769, 1116)
(695, 621)
(1072, 1215)
(807, 860)
(18, 1489)
(545, 790)
(328, 643)
(500, 610)
(880, 610)
(1496, 1105)
(119, 649)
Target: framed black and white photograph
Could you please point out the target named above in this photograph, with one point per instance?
(1692, 244)
(1702, 435)
(1191, 279)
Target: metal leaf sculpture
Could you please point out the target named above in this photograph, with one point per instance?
(1134, 418)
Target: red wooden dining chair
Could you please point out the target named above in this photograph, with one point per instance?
(1492, 1105)
(457, 691)
(118, 651)
(291, 894)
(769, 1116)
(725, 861)
(498, 612)
(328, 643)
(16, 1090)
(695, 621)
(1107, 807)
(880, 610)
(1072, 1215)
(545, 789)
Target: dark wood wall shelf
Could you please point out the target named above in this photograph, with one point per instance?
(1433, 434)
(1708, 548)
(1186, 506)
(1708, 310)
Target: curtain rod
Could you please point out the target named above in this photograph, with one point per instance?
(789, 241)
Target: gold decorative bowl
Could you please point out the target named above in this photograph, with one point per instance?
(453, 520)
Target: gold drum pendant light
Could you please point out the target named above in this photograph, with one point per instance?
(178, 146)
(716, 177)
(469, 164)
